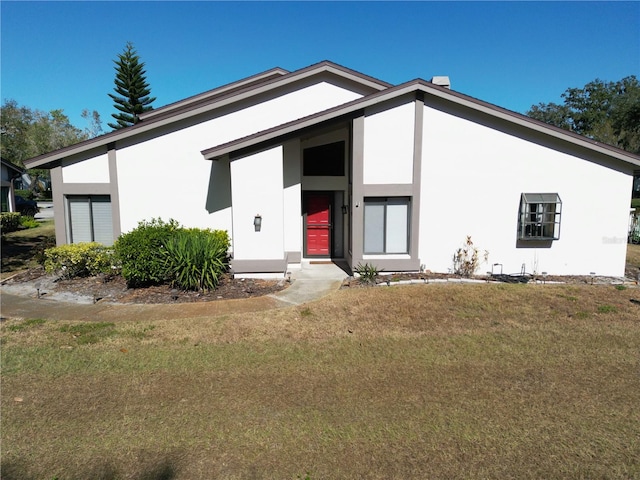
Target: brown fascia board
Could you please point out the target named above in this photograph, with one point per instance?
(199, 98)
(427, 88)
(265, 77)
(296, 76)
(11, 166)
(226, 98)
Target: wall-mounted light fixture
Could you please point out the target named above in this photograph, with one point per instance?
(345, 209)
(257, 222)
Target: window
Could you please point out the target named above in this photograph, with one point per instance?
(539, 216)
(324, 160)
(386, 225)
(90, 219)
(4, 199)
(636, 185)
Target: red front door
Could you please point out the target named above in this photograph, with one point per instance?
(318, 224)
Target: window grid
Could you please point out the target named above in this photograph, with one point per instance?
(539, 216)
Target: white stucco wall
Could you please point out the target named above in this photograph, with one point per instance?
(472, 179)
(257, 186)
(388, 145)
(93, 170)
(168, 177)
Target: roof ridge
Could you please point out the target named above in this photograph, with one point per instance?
(250, 80)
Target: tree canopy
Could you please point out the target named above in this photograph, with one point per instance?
(27, 132)
(608, 112)
(132, 90)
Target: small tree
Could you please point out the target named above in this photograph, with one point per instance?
(132, 90)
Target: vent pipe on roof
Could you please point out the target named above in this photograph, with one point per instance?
(442, 82)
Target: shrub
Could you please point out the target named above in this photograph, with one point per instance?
(142, 252)
(368, 272)
(28, 222)
(196, 259)
(9, 221)
(27, 194)
(79, 259)
(466, 260)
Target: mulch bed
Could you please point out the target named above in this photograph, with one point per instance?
(114, 289)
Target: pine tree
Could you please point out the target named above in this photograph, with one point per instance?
(131, 88)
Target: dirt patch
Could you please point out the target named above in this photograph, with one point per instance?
(114, 289)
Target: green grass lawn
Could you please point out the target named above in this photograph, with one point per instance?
(20, 247)
(430, 381)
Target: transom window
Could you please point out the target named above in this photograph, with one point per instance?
(324, 160)
(386, 225)
(539, 216)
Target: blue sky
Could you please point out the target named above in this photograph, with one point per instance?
(513, 54)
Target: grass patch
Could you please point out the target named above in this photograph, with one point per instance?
(444, 381)
(633, 256)
(26, 324)
(87, 333)
(607, 309)
(20, 247)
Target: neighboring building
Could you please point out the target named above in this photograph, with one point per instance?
(326, 162)
(10, 172)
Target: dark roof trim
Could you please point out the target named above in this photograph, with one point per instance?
(414, 87)
(11, 166)
(201, 97)
(214, 101)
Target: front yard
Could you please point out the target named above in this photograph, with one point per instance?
(427, 381)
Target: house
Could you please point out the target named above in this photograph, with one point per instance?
(328, 163)
(10, 172)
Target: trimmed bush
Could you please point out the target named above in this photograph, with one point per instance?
(28, 222)
(142, 252)
(79, 260)
(27, 194)
(9, 221)
(196, 259)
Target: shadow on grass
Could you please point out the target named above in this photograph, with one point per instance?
(163, 470)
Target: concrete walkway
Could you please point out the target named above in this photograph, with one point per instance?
(313, 281)
(309, 283)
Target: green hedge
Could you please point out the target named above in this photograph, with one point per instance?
(79, 260)
(158, 252)
(28, 194)
(142, 252)
(9, 221)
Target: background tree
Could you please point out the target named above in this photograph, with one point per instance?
(131, 88)
(608, 112)
(27, 133)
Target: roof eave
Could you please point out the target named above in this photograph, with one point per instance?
(182, 112)
(430, 89)
(252, 80)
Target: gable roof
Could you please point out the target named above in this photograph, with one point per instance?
(352, 108)
(254, 80)
(209, 101)
(11, 166)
